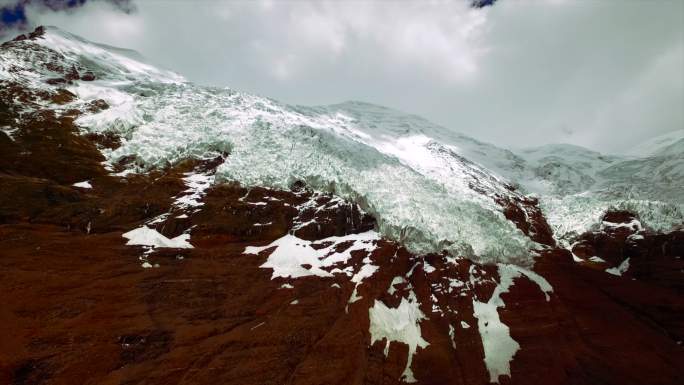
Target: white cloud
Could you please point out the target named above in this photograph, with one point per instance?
(96, 19)
(599, 74)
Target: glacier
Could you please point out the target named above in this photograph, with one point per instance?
(414, 176)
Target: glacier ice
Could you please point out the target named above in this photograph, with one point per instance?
(414, 176)
(416, 185)
(574, 214)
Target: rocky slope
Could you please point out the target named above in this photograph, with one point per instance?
(115, 272)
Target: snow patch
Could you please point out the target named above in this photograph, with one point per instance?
(85, 184)
(498, 345)
(452, 335)
(395, 281)
(145, 236)
(258, 325)
(367, 270)
(401, 324)
(291, 255)
(634, 225)
(427, 268)
(191, 198)
(9, 131)
(618, 271)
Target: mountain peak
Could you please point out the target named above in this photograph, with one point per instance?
(62, 48)
(669, 143)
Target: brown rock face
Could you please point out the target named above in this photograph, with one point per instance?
(525, 213)
(88, 76)
(343, 306)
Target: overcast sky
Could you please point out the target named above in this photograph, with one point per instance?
(599, 73)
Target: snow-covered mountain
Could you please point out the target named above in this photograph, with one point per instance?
(669, 143)
(577, 185)
(155, 231)
(429, 186)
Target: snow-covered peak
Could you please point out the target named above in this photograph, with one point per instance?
(383, 123)
(105, 61)
(671, 143)
(569, 152)
(68, 51)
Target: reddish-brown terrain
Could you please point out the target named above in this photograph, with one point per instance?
(77, 307)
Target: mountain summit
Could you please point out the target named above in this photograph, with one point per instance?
(158, 231)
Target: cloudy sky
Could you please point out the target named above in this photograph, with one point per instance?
(605, 74)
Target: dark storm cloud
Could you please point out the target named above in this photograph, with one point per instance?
(482, 3)
(13, 12)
